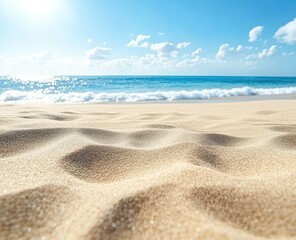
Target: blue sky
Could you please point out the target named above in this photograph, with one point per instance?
(193, 37)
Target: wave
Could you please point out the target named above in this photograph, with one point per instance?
(91, 97)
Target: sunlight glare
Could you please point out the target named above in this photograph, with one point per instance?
(36, 8)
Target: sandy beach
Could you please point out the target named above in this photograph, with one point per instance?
(148, 171)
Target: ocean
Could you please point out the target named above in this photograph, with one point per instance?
(96, 89)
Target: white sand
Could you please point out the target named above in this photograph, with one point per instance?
(148, 171)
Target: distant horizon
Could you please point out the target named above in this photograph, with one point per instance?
(147, 75)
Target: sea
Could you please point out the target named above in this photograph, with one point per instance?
(103, 89)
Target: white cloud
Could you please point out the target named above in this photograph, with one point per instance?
(98, 53)
(239, 48)
(145, 45)
(174, 54)
(287, 33)
(160, 33)
(272, 50)
(168, 49)
(165, 49)
(223, 49)
(89, 40)
(264, 53)
(183, 45)
(139, 39)
(251, 56)
(255, 33)
(267, 52)
(196, 52)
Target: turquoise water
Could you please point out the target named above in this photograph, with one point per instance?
(80, 89)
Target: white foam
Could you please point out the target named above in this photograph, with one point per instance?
(90, 97)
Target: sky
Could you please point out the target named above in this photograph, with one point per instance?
(149, 37)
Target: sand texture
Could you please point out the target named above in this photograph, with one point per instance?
(148, 171)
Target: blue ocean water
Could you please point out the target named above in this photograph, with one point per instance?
(83, 89)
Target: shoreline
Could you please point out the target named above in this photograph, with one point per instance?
(210, 100)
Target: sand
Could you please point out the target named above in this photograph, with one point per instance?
(148, 171)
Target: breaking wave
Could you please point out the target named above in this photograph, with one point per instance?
(92, 97)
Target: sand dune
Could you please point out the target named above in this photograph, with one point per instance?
(148, 171)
